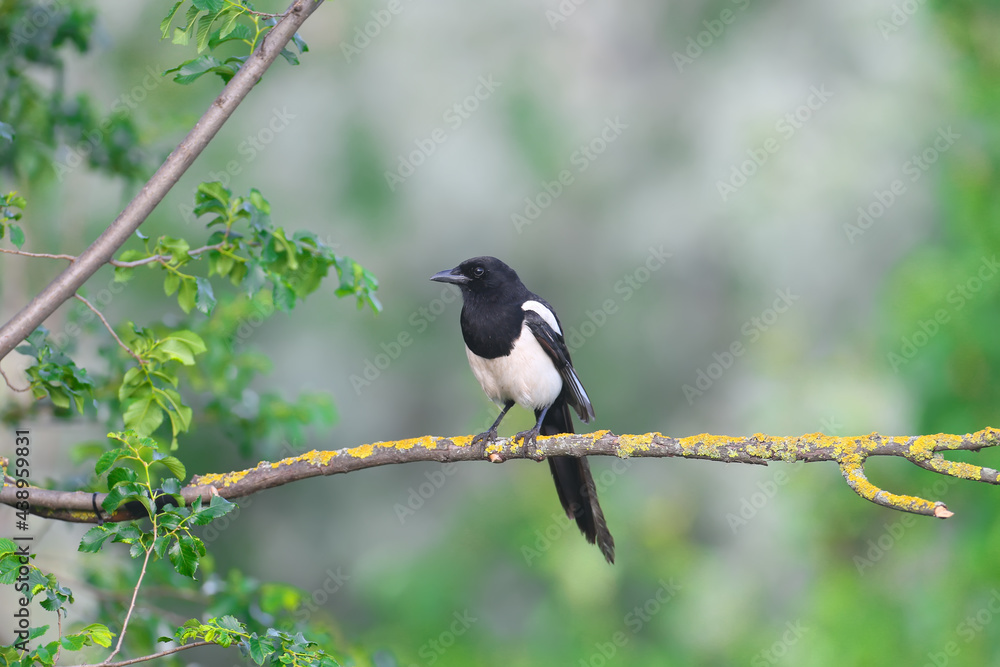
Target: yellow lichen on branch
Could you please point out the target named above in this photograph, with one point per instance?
(850, 453)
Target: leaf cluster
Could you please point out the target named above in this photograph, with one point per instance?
(38, 115)
(130, 480)
(52, 597)
(9, 215)
(274, 647)
(213, 24)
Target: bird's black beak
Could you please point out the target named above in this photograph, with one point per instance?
(453, 276)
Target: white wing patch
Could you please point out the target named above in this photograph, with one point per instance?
(544, 312)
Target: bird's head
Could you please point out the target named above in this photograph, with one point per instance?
(479, 275)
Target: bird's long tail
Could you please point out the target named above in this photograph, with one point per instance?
(575, 484)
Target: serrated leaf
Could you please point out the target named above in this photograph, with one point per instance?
(108, 459)
(94, 539)
(181, 38)
(259, 650)
(120, 475)
(218, 507)
(98, 633)
(185, 553)
(230, 23)
(165, 23)
(204, 30)
(7, 546)
(73, 642)
(191, 70)
(123, 492)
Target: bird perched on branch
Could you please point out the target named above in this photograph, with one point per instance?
(515, 346)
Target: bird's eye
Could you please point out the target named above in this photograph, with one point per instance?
(478, 271)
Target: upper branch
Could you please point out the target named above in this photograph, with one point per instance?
(849, 452)
(101, 251)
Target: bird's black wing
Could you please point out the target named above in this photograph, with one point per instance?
(554, 345)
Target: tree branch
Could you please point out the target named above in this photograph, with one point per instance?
(849, 453)
(101, 251)
(154, 656)
(131, 606)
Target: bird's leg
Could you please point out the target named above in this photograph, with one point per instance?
(530, 436)
(485, 438)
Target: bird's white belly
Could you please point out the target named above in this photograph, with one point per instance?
(526, 376)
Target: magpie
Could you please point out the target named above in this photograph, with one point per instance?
(515, 346)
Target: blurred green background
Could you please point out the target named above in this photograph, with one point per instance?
(837, 162)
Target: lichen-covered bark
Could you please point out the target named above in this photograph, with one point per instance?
(849, 453)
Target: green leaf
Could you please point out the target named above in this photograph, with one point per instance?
(191, 70)
(177, 350)
(120, 475)
(186, 297)
(95, 538)
(228, 622)
(143, 415)
(213, 6)
(180, 38)
(218, 507)
(165, 23)
(216, 191)
(125, 492)
(185, 554)
(174, 465)
(204, 30)
(98, 633)
(16, 235)
(258, 650)
(108, 459)
(59, 397)
(205, 297)
(133, 378)
(180, 422)
(123, 274)
(171, 283)
(7, 546)
(230, 22)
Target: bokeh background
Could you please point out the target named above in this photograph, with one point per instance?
(742, 140)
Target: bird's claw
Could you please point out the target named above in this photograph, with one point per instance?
(483, 440)
(529, 440)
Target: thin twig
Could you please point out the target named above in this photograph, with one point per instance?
(131, 607)
(12, 387)
(154, 656)
(108, 326)
(45, 255)
(162, 258)
(55, 658)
